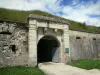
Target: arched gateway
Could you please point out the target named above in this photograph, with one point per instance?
(48, 49)
(48, 40)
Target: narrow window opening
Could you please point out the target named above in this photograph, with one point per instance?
(13, 48)
(5, 33)
(94, 38)
(78, 37)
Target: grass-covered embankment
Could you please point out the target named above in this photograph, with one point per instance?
(21, 16)
(86, 64)
(20, 70)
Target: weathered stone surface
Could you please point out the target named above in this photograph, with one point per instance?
(32, 43)
(86, 46)
(18, 38)
(18, 42)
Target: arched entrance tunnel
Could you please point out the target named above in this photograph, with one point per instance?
(48, 49)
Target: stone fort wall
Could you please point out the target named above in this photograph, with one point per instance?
(13, 44)
(84, 45)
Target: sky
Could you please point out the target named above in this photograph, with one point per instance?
(84, 11)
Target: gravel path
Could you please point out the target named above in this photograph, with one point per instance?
(62, 69)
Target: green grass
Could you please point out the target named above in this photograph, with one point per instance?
(86, 64)
(21, 16)
(20, 70)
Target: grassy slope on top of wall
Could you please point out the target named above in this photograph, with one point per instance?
(18, 15)
(21, 16)
(83, 27)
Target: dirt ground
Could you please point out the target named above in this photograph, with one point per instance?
(62, 69)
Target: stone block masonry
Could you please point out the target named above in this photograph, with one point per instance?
(19, 42)
(13, 44)
(84, 45)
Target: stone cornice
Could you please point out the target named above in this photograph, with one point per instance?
(51, 19)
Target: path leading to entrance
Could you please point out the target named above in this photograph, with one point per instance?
(62, 69)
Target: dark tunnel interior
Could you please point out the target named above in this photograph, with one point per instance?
(47, 50)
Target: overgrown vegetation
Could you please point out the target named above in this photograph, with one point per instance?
(86, 64)
(21, 16)
(18, 15)
(83, 27)
(20, 70)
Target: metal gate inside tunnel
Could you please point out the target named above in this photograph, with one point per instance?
(48, 49)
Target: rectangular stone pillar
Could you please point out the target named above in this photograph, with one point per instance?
(66, 44)
(32, 42)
